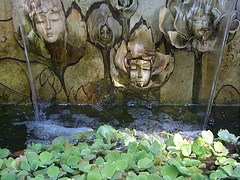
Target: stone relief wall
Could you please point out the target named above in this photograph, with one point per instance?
(92, 51)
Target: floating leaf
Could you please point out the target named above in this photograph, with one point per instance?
(82, 136)
(1, 163)
(107, 132)
(208, 136)
(145, 163)
(108, 171)
(219, 174)
(198, 147)
(186, 149)
(53, 172)
(9, 176)
(45, 157)
(178, 140)
(60, 140)
(191, 162)
(228, 137)
(198, 177)
(228, 169)
(73, 160)
(67, 168)
(99, 161)
(220, 149)
(236, 172)
(121, 165)
(25, 165)
(169, 170)
(94, 175)
(4, 153)
(113, 156)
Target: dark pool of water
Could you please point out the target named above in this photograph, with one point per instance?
(18, 129)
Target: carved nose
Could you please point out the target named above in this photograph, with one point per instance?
(48, 24)
(140, 73)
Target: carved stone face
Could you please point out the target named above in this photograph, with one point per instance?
(124, 3)
(140, 72)
(50, 25)
(106, 35)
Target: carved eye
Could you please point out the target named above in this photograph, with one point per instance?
(133, 67)
(146, 66)
(55, 17)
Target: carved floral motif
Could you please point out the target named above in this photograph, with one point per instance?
(193, 24)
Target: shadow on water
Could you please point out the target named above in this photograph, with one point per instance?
(18, 129)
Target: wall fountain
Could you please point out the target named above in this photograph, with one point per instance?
(128, 63)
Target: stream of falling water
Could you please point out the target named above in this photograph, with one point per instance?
(34, 98)
(214, 57)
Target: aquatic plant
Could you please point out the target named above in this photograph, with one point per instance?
(115, 154)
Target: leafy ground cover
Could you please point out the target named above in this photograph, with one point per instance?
(114, 154)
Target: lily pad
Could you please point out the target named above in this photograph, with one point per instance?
(94, 175)
(45, 157)
(108, 171)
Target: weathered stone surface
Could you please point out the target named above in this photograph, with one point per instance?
(178, 90)
(89, 68)
(14, 77)
(227, 95)
(230, 68)
(5, 10)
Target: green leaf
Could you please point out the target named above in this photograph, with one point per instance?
(67, 168)
(25, 165)
(99, 161)
(169, 170)
(198, 147)
(191, 162)
(219, 174)
(228, 137)
(108, 133)
(198, 177)
(1, 163)
(73, 160)
(145, 163)
(9, 176)
(45, 157)
(132, 147)
(60, 140)
(186, 149)
(236, 172)
(180, 168)
(108, 171)
(178, 140)
(220, 149)
(32, 156)
(9, 162)
(228, 169)
(207, 136)
(121, 165)
(4, 153)
(82, 136)
(94, 175)
(113, 156)
(53, 172)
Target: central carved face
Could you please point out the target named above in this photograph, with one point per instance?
(50, 25)
(124, 3)
(106, 35)
(140, 72)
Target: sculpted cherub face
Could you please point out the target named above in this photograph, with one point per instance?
(49, 23)
(124, 3)
(200, 25)
(140, 72)
(106, 35)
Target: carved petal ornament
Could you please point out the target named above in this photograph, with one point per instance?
(192, 24)
(126, 7)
